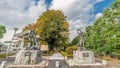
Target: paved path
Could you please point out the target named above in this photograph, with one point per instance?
(62, 64)
(56, 56)
(51, 64)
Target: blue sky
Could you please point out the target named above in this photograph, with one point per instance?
(99, 7)
(80, 13)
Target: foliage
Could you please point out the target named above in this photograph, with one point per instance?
(30, 27)
(103, 37)
(66, 54)
(53, 28)
(2, 55)
(70, 49)
(48, 54)
(75, 41)
(2, 30)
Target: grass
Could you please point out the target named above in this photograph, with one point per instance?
(4, 55)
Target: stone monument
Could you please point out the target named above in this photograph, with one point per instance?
(31, 54)
(82, 56)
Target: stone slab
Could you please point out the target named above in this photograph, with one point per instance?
(40, 65)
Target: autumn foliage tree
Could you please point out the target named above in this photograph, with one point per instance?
(30, 27)
(52, 26)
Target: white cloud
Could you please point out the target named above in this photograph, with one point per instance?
(18, 13)
(100, 0)
(79, 12)
(98, 15)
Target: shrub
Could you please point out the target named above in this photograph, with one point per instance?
(2, 55)
(70, 49)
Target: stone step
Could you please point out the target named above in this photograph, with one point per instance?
(40, 65)
(24, 66)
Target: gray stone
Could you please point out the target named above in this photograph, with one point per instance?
(28, 57)
(83, 57)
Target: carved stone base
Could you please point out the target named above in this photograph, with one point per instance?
(28, 57)
(83, 57)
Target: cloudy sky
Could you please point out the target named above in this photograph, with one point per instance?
(80, 13)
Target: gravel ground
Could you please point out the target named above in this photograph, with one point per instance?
(64, 65)
(113, 65)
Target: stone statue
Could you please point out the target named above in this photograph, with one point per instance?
(32, 54)
(33, 44)
(82, 39)
(84, 56)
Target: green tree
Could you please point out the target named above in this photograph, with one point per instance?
(75, 41)
(2, 31)
(52, 26)
(104, 36)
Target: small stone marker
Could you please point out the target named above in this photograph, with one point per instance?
(57, 64)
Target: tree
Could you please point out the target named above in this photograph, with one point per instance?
(30, 27)
(2, 31)
(104, 36)
(52, 26)
(75, 41)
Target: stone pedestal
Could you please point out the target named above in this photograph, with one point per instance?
(83, 57)
(28, 57)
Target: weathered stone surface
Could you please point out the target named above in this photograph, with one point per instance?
(83, 57)
(40, 65)
(87, 66)
(28, 57)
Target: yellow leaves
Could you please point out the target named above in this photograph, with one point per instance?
(49, 26)
(65, 24)
(30, 27)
